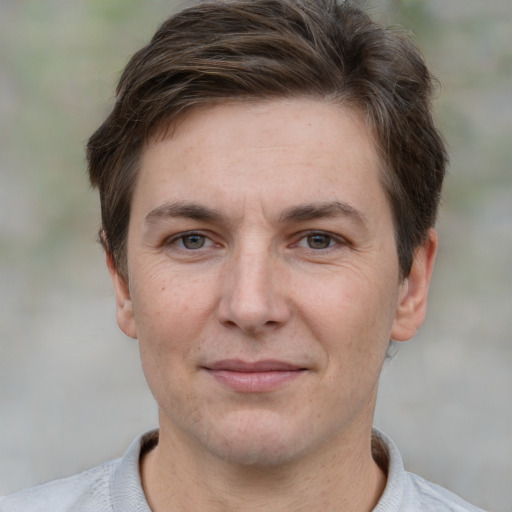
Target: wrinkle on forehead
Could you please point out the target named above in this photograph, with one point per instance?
(215, 152)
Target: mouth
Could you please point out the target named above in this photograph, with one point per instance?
(254, 377)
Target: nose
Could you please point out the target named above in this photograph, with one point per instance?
(254, 295)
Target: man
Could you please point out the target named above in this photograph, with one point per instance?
(269, 181)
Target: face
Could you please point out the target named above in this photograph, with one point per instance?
(263, 279)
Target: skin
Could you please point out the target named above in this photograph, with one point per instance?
(261, 232)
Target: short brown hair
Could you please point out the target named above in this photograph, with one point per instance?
(264, 49)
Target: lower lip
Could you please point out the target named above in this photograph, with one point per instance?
(255, 382)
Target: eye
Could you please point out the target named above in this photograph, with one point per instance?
(192, 241)
(317, 241)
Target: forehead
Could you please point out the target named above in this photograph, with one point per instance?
(262, 123)
(279, 152)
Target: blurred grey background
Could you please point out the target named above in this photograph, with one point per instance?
(71, 390)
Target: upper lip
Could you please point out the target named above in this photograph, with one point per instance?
(268, 365)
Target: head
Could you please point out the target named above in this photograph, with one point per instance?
(257, 50)
(269, 176)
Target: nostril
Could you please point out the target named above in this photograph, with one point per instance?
(251, 327)
(229, 323)
(251, 300)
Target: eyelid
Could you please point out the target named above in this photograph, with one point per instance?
(299, 237)
(171, 240)
(337, 239)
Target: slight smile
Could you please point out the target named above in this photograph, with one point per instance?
(256, 377)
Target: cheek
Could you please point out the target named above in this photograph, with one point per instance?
(170, 316)
(169, 301)
(353, 314)
(170, 321)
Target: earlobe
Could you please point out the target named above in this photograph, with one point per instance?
(124, 306)
(412, 304)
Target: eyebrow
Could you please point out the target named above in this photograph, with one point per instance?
(299, 213)
(314, 211)
(184, 210)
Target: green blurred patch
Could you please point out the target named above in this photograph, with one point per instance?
(114, 11)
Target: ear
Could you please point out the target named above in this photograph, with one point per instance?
(412, 305)
(125, 316)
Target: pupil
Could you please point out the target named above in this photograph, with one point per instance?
(319, 241)
(193, 241)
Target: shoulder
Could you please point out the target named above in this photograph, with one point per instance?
(429, 497)
(114, 485)
(407, 492)
(86, 491)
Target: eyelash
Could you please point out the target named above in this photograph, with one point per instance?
(183, 236)
(332, 241)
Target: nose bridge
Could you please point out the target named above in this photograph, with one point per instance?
(251, 295)
(253, 270)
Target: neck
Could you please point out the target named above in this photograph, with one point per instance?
(345, 477)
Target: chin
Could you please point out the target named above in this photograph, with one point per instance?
(261, 441)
